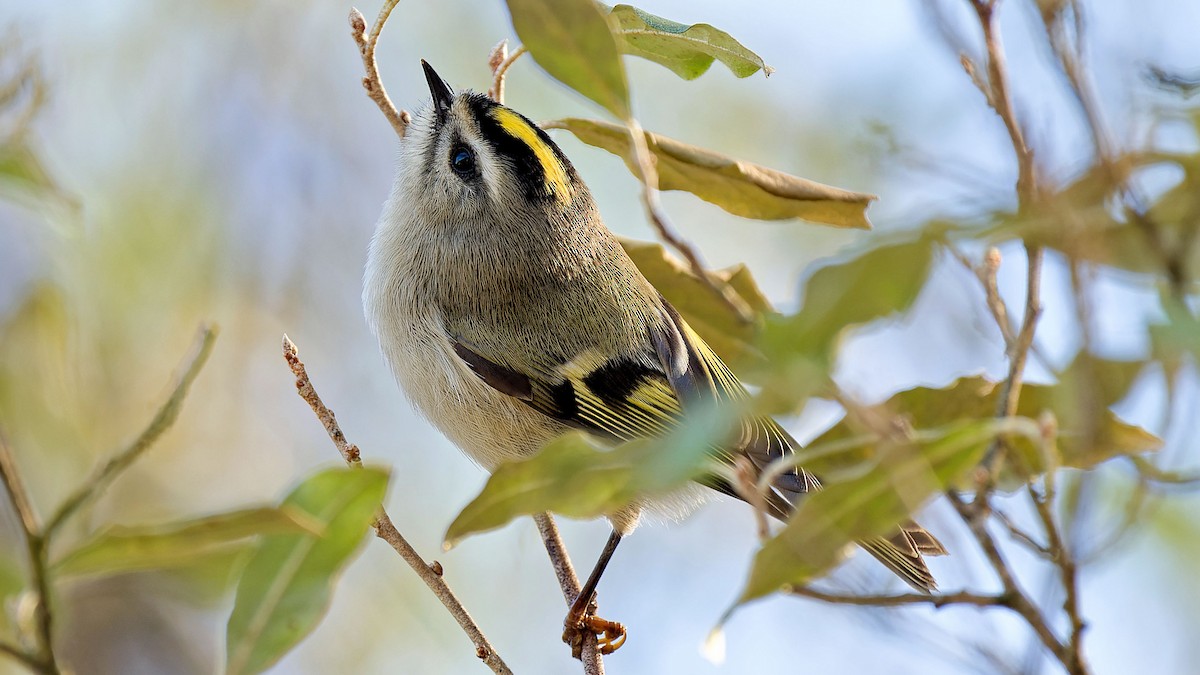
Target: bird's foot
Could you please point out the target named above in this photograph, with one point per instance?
(580, 623)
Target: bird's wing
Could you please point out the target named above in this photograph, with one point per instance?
(635, 396)
(628, 397)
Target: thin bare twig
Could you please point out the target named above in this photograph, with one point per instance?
(501, 61)
(366, 48)
(35, 547)
(996, 90)
(1060, 550)
(987, 277)
(163, 419)
(1001, 101)
(939, 600)
(430, 573)
(593, 662)
(975, 516)
(15, 487)
(1010, 391)
(986, 274)
(1022, 536)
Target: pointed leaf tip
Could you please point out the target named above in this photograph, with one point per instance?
(713, 647)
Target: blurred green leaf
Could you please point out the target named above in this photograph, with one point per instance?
(287, 585)
(1177, 338)
(1085, 220)
(1086, 389)
(847, 291)
(709, 315)
(35, 347)
(12, 582)
(573, 41)
(739, 187)
(124, 549)
(974, 398)
(579, 477)
(858, 288)
(21, 169)
(688, 51)
(24, 178)
(903, 477)
(1175, 524)
(209, 581)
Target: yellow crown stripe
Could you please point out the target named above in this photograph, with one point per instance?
(552, 168)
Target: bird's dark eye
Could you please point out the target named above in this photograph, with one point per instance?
(462, 160)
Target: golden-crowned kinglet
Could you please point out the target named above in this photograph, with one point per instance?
(510, 314)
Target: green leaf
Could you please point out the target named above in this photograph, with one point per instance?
(732, 338)
(179, 544)
(1089, 433)
(573, 41)
(850, 290)
(209, 581)
(901, 480)
(739, 187)
(287, 585)
(1176, 338)
(1081, 221)
(12, 582)
(25, 180)
(861, 287)
(688, 51)
(577, 477)
(1079, 446)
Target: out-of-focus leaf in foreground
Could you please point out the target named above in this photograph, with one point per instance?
(573, 41)
(903, 476)
(1088, 434)
(741, 188)
(12, 582)
(848, 291)
(730, 336)
(688, 51)
(578, 477)
(1176, 338)
(24, 178)
(286, 587)
(1081, 221)
(125, 549)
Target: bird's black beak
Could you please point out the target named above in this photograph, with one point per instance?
(443, 95)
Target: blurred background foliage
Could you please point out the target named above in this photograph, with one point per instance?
(164, 164)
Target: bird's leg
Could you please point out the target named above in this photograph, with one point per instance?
(581, 617)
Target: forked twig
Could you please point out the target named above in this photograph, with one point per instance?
(44, 660)
(500, 61)
(366, 48)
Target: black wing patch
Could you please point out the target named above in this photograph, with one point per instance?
(621, 400)
(503, 380)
